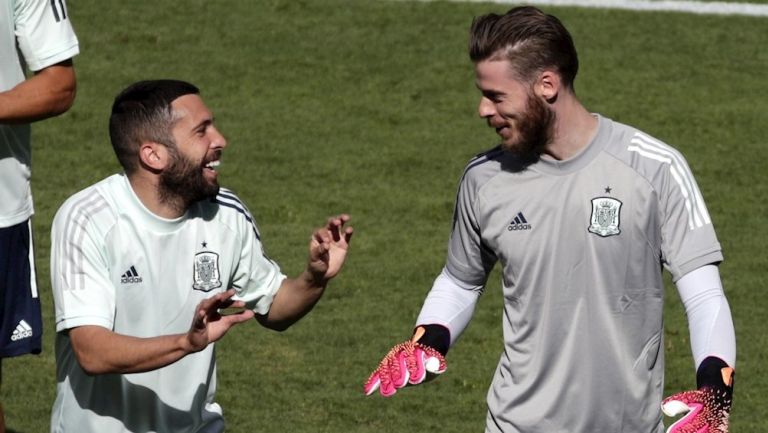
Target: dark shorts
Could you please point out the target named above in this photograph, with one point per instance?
(21, 327)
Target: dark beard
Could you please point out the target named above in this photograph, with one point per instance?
(535, 129)
(182, 183)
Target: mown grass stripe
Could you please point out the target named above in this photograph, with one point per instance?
(694, 7)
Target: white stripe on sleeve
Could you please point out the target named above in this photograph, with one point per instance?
(651, 148)
(74, 231)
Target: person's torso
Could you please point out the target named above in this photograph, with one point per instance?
(34, 34)
(580, 243)
(160, 270)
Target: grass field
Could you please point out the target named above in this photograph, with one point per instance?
(368, 107)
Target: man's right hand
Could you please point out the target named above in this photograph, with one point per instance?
(410, 362)
(208, 325)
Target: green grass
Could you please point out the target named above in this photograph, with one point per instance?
(749, 2)
(369, 108)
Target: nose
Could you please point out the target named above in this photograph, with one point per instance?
(218, 141)
(486, 108)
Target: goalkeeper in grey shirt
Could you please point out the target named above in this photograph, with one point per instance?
(582, 213)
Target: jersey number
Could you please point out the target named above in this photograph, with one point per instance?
(59, 10)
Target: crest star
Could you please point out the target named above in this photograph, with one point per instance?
(204, 244)
(608, 189)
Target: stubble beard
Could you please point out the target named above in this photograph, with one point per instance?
(183, 183)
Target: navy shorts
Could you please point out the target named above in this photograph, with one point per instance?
(21, 325)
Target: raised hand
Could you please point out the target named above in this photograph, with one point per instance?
(328, 248)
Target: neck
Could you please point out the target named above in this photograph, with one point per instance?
(146, 187)
(574, 128)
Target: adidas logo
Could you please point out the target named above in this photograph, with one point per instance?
(130, 276)
(519, 223)
(23, 330)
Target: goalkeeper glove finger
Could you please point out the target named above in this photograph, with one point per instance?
(410, 362)
(706, 409)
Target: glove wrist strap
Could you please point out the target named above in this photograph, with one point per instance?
(714, 372)
(435, 336)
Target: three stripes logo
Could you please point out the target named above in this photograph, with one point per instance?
(130, 276)
(650, 148)
(519, 223)
(23, 330)
(59, 10)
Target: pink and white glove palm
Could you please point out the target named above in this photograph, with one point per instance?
(406, 363)
(706, 409)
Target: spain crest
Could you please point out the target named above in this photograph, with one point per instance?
(605, 216)
(206, 271)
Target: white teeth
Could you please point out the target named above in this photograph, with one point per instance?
(213, 164)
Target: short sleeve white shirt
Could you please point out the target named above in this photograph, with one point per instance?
(117, 265)
(40, 31)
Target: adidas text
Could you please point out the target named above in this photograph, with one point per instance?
(21, 335)
(512, 227)
(22, 331)
(126, 280)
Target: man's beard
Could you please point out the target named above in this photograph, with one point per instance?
(535, 130)
(183, 183)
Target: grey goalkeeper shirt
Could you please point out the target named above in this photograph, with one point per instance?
(582, 243)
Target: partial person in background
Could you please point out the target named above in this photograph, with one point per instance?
(36, 36)
(583, 213)
(143, 262)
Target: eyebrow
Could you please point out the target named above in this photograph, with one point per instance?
(205, 122)
(490, 93)
(485, 90)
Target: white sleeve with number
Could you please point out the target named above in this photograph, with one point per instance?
(44, 32)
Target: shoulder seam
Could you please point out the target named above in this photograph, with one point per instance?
(478, 160)
(228, 199)
(482, 158)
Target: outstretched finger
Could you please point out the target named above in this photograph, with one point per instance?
(229, 301)
(372, 384)
(335, 225)
(210, 307)
(240, 317)
(348, 231)
(337, 220)
(321, 239)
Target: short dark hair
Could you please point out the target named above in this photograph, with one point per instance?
(142, 112)
(530, 39)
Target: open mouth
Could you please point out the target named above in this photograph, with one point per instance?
(210, 169)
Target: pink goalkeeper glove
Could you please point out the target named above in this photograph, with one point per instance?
(706, 409)
(407, 362)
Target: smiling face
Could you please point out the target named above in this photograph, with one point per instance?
(191, 173)
(522, 119)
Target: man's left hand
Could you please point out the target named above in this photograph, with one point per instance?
(706, 409)
(328, 248)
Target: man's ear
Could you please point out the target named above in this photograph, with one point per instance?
(153, 156)
(549, 85)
